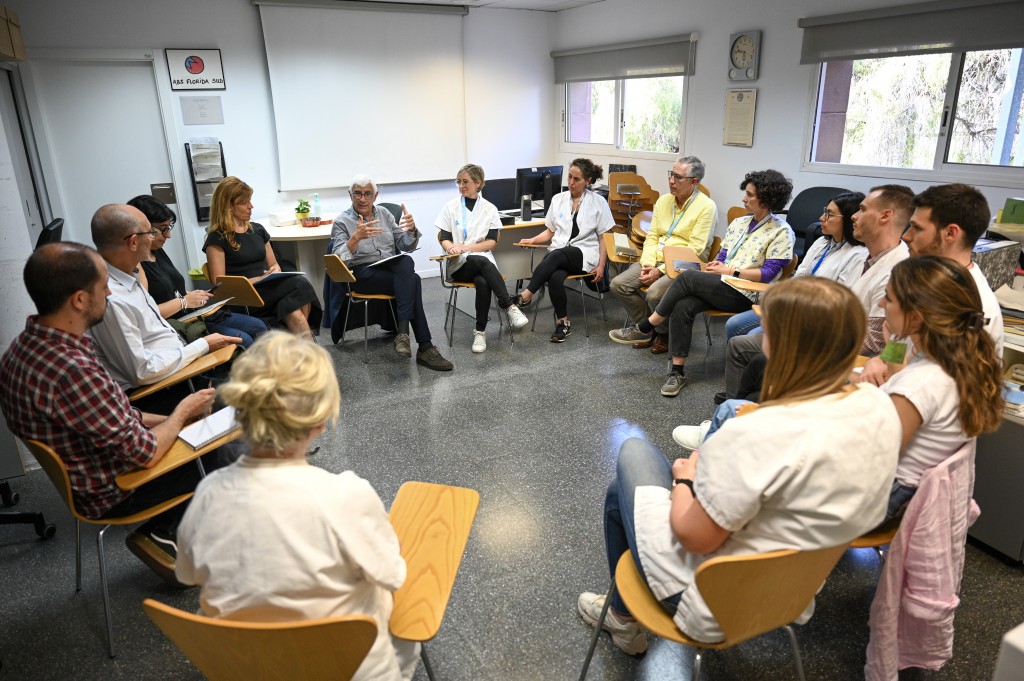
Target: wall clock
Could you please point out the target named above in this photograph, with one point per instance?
(744, 55)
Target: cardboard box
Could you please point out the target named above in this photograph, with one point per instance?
(6, 46)
(12, 47)
(1013, 211)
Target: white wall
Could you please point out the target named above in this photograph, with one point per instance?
(507, 72)
(784, 91)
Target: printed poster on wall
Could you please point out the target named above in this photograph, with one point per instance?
(195, 69)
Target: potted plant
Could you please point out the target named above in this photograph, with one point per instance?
(302, 210)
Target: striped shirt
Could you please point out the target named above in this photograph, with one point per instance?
(53, 389)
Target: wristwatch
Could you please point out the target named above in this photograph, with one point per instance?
(687, 482)
(736, 273)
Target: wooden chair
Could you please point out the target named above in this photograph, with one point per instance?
(878, 537)
(736, 212)
(453, 297)
(55, 469)
(572, 277)
(639, 227)
(187, 373)
(338, 271)
(757, 286)
(629, 194)
(329, 649)
(748, 596)
(239, 288)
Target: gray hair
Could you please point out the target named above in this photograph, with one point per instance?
(696, 165)
(362, 181)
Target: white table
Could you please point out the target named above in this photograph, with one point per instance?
(310, 245)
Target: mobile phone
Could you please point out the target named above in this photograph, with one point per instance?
(215, 287)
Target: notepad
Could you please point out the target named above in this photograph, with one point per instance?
(205, 310)
(205, 431)
(278, 275)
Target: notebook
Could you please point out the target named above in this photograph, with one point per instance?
(204, 310)
(205, 431)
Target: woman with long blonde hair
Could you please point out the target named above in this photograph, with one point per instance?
(272, 538)
(801, 472)
(236, 246)
(949, 391)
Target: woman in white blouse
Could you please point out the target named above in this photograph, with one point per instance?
(271, 538)
(575, 222)
(469, 228)
(801, 472)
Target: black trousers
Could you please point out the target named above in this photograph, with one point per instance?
(553, 269)
(487, 279)
(397, 278)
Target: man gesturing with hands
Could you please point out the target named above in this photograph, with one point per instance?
(363, 236)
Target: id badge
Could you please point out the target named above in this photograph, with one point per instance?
(894, 352)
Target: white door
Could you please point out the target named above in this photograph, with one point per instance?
(19, 157)
(104, 138)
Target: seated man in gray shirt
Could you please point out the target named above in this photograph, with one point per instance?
(135, 344)
(364, 235)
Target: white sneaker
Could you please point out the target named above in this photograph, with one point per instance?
(479, 341)
(630, 637)
(516, 317)
(690, 437)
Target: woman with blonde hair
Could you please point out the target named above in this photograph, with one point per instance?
(271, 538)
(236, 246)
(469, 229)
(800, 472)
(949, 391)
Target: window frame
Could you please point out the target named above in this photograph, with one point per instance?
(940, 172)
(616, 150)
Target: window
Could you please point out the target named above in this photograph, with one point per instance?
(921, 111)
(636, 114)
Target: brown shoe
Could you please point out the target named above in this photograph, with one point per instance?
(645, 343)
(660, 346)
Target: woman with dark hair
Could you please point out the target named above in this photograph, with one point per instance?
(575, 222)
(756, 248)
(165, 284)
(949, 391)
(836, 255)
(825, 484)
(236, 246)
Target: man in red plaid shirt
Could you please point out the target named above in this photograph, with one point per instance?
(53, 389)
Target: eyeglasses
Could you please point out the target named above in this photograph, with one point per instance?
(679, 178)
(463, 182)
(827, 214)
(164, 228)
(363, 195)
(150, 233)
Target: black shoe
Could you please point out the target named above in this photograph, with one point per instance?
(562, 331)
(720, 397)
(158, 551)
(520, 303)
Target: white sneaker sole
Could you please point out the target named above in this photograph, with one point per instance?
(634, 646)
(623, 341)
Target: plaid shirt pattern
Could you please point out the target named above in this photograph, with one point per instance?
(53, 389)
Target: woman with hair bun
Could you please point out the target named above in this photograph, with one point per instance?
(575, 222)
(949, 392)
(271, 538)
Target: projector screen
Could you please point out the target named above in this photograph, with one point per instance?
(360, 91)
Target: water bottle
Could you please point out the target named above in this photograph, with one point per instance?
(316, 205)
(526, 208)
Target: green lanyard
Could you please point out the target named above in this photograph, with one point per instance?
(679, 217)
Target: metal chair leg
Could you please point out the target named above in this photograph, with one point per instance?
(597, 631)
(426, 662)
(696, 665)
(796, 654)
(707, 329)
(103, 585)
(78, 555)
(453, 303)
(583, 299)
(366, 332)
(344, 325)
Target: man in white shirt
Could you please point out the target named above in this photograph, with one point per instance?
(883, 215)
(948, 220)
(135, 344)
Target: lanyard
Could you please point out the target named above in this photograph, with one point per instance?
(675, 222)
(465, 226)
(828, 251)
(743, 237)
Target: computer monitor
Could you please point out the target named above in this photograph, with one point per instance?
(502, 193)
(540, 183)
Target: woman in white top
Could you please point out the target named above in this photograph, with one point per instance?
(949, 392)
(801, 472)
(575, 222)
(836, 255)
(469, 228)
(271, 538)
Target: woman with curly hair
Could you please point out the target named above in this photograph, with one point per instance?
(949, 392)
(756, 248)
(236, 246)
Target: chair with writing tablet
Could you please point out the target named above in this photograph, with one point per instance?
(339, 272)
(231, 286)
(451, 309)
(55, 469)
(572, 277)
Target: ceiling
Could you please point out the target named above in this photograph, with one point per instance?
(540, 5)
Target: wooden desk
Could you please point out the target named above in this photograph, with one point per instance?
(204, 363)
(432, 523)
(178, 455)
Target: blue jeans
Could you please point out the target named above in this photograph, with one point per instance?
(899, 497)
(242, 325)
(741, 324)
(725, 411)
(640, 464)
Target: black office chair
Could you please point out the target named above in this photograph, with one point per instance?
(9, 498)
(803, 213)
(394, 209)
(51, 233)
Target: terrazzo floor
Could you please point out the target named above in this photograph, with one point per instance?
(535, 428)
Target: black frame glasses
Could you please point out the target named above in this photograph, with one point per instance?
(151, 233)
(678, 177)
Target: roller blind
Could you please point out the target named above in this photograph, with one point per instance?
(671, 56)
(927, 27)
(358, 91)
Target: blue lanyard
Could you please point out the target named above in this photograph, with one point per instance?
(743, 237)
(465, 227)
(675, 222)
(828, 251)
